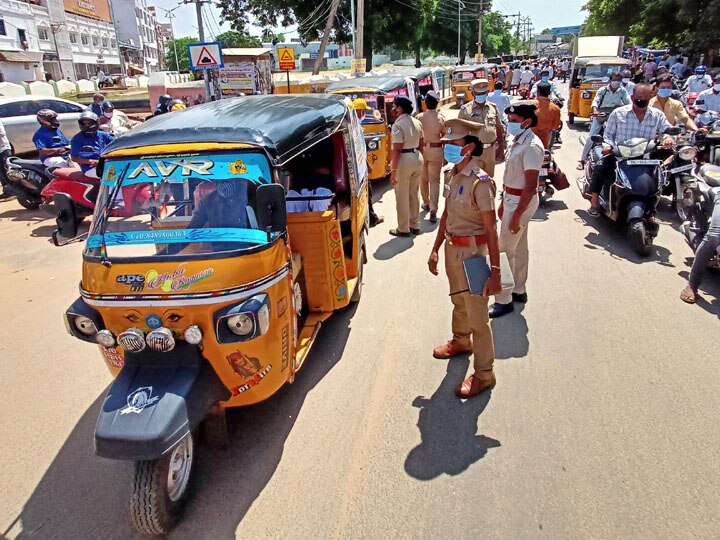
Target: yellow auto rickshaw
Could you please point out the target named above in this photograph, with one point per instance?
(589, 74)
(462, 77)
(212, 294)
(378, 92)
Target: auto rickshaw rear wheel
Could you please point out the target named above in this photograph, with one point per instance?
(161, 488)
(362, 259)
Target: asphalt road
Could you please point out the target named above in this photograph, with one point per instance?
(603, 423)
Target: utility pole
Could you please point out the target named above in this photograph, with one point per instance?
(360, 34)
(169, 14)
(326, 36)
(201, 32)
(352, 22)
(480, 24)
(460, 5)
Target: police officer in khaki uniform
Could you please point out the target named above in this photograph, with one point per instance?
(406, 167)
(490, 132)
(433, 123)
(467, 227)
(520, 201)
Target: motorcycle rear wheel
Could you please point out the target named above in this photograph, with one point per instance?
(29, 202)
(641, 241)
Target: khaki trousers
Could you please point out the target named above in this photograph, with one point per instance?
(487, 161)
(430, 186)
(407, 197)
(470, 313)
(515, 245)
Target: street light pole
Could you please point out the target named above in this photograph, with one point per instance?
(480, 32)
(460, 4)
(201, 33)
(169, 14)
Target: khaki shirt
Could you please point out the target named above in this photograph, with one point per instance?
(433, 126)
(468, 192)
(408, 131)
(486, 114)
(526, 154)
(674, 110)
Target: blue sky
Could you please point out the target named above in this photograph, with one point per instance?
(544, 14)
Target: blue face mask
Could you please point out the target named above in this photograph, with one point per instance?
(481, 99)
(515, 128)
(615, 84)
(665, 92)
(544, 78)
(452, 153)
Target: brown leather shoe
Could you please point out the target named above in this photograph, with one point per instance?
(472, 386)
(450, 349)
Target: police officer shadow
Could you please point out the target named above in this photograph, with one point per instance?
(448, 429)
(546, 207)
(510, 335)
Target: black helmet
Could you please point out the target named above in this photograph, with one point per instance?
(47, 117)
(88, 122)
(165, 99)
(107, 106)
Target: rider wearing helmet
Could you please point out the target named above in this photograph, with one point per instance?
(106, 119)
(89, 136)
(50, 142)
(162, 106)
(700, 81)
(176, 105)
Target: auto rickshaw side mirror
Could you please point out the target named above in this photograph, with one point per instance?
(271, 210)
(66, 218)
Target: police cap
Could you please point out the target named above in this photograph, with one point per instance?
(479, 85)
(459, 129)
(524, 109)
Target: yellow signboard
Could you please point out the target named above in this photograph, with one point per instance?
(286, 58)
(358, 66)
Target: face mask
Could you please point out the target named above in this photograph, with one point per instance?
(625, 80)
(452, 153)
(615, 84)
(641, 103)
(545, 78)
(515, 128)
(665, 92)
(699, 75)
(481, 99)
(716, 87)
(108, 114)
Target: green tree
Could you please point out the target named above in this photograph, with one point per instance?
(232, 38)
(268, 36)
(181, 45)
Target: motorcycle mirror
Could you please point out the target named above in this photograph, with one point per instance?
(66, 219)
(597, 139)
(673, 130)
(272, 213)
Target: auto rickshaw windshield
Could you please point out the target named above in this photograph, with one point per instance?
(164, 206)
(598, 72)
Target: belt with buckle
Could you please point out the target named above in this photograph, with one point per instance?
(513, 191)
(409, 150)
(467, 241)
(434, 144)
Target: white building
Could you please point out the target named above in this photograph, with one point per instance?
(20, 53)
(137, 35)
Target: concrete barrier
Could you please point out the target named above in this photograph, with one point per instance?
(83, 85)
(65, 87)
(130, 82)
(142, 81)
(39, 88)
(12, 90)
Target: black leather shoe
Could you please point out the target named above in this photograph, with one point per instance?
(415, 231)
(395, 232)
(520, 298)
(375, 219)
(498, 310)
(433, 217)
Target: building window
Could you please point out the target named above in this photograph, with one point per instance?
(104, 42)
(95, 41)
(43, 34)
(73, 38)
(84, 39)
(2, 28)
(113, 44)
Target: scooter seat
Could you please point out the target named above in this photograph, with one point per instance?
(30, 164)
(70, 173)
(711, 174)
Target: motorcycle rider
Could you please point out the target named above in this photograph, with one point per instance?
(711, 96)
(700, 81)
(5, 153)
(678, 69)
(611, 96)
(49, 140)
(548, 114)
(545, 78)
(90, 135)
(704, 254)
(624, 123)
(96, 105)
(176, 105)
(627, 82)
(673, 108)
(162, 105)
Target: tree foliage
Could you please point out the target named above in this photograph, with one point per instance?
(181, 45)
(231, 38)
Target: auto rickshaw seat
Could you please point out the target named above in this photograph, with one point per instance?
(203, 190)
(342, 186)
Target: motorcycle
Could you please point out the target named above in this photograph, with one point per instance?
(27, 178)
(709, 143)
(681, 180)
(636, 191)
(699, 210)
(550, 178)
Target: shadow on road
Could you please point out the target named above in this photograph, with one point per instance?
(448, 429)
(84, 496)
(613, 238)
(23, 215)
(393, 247)
(548, 206)
(510, 335)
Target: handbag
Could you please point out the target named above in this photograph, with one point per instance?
(559, 180)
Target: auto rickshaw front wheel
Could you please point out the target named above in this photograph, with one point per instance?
(161, 488)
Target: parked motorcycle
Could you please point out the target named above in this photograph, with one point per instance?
(709, 143)
(550, 178)
(634, 195)
(26, 180)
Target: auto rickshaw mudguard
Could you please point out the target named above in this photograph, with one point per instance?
(155, 401)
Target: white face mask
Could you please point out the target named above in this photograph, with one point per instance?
(625, 80)
(108, 114)
(716, 87)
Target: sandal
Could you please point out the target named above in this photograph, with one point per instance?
(580, 166)
(594, 211)
(688, 295)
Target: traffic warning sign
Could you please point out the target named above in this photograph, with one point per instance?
(286, 59)
(205, 55)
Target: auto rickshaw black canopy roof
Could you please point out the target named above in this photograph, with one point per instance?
(376, 83)
(284, 125)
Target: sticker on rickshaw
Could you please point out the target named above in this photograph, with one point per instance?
(243, 365)
(257, 379)
(138, 400)
(113, 356)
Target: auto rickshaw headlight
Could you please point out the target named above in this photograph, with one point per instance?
(372, 144)
(132, 340)
(452, 88)
(85, 325)
(105, 338)
(193, 335)
(161, 340)
(242, 324)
